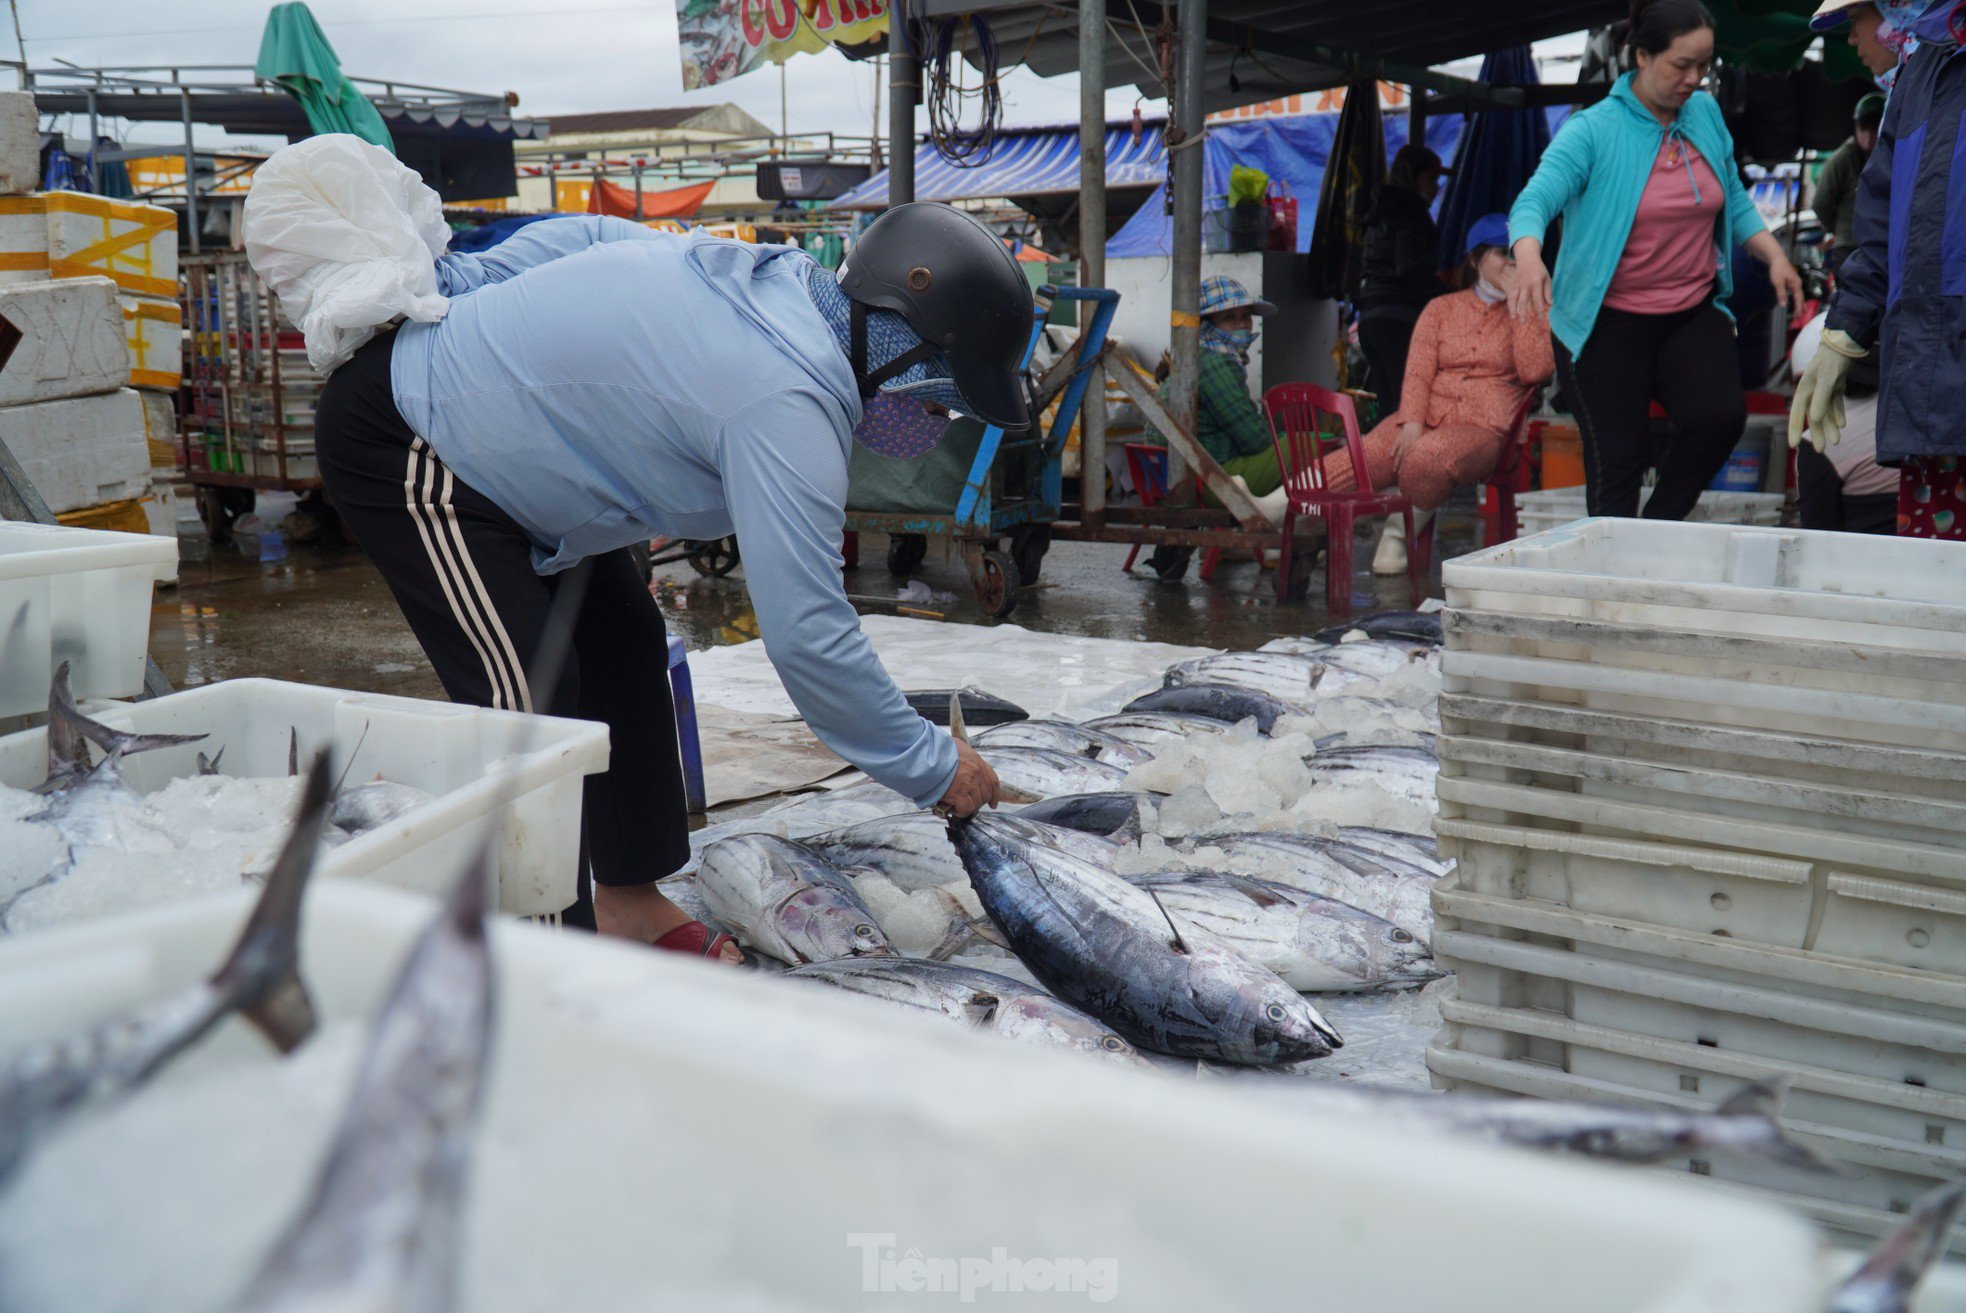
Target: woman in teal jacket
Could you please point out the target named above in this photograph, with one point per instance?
(1652, 205)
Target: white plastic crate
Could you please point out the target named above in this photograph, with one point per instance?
(618, 1075)
(75, 595)
(1878, 1054)
(521, 771)
(1552, 508)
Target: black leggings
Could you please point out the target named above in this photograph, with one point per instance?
(461, 570)
(1820, 500)
(1685, 361)
(1385, 339)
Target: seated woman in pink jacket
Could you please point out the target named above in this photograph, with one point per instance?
(1468, 369)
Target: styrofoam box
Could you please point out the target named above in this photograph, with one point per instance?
(1878, 1056)
(20, 142)
(76, 595)
(617, 1075)
(81, 451)
(1553, 507)
(519, 771)
(72, 340)
(23, 238)
(133, 243)
(160, 427)
(155, 327)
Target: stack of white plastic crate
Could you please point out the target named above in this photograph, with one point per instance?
(1706, 786)
(91, 282)
(1554, 507)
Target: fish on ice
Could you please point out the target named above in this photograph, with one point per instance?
(42, 1084)
(1108, 948)
(1152, 729)
(1420, 627)
(978, 707)
(384, 1221)
(982, 1000)
(1064, 736)
(1043, 773)
(1316, 944)
(1120, 815)
(1297, 680)
(1386, 887)
(784, 899)
(1228, 703)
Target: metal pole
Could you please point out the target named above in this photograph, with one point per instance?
(1184, 161)
(1416, 116)
(638, 189)
(190, 172)
(1092, 246)
(95, 165)
(903, 86)
(877, 112)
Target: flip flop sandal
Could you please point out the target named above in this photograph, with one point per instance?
(694, 938)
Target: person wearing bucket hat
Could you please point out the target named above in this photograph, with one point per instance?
(589, 384)
(1835, 201)
(1879, 43)
(1466, 373)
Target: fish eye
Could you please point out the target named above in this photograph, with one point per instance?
(1275, 1012)
(1401, 937)
(1112, 1043)
(863, 931)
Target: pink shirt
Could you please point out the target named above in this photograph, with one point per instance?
(1670, 259)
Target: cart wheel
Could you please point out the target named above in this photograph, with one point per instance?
(993, 575)
(315, 521)
(715, 558)
(1028, 545)
(1170, 563)
(220, 508)
(905, 553)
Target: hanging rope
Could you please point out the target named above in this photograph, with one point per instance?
(947, 95)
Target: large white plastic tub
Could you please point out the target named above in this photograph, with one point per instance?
(1555, 1002)
(75, 595)
(522, 772)
(661, 1133)
(1553, 508)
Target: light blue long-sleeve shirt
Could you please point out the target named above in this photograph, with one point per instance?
(605, 384)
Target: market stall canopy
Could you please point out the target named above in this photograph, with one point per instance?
(1025, 162)
(1259, 50)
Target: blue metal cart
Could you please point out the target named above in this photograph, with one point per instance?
(1014, 484)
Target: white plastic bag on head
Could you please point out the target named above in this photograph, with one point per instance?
(347, 236)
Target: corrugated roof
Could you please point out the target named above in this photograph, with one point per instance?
(1024, 162)
(626, 120)
(1415, 32)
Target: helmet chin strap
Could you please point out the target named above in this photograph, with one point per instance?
(870, 382)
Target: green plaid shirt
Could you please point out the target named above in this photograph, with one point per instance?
(1227, 422)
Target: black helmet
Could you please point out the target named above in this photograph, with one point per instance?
(960, 289)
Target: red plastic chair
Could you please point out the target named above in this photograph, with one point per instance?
(1147, 463)
(1300, 415)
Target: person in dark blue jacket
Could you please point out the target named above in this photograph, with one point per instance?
(1903, 289)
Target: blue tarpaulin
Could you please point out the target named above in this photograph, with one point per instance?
(1025, 162)
(1494, 157)
(1291, 149)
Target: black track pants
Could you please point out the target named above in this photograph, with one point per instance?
(1687, 362)
(461, 570)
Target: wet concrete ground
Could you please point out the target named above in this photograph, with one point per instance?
(324, 616)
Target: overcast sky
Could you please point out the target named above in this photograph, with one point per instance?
(561, 56)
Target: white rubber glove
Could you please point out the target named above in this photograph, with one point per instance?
(1818, 401)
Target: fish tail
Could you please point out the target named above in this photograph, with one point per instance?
(262, 975)
(974, 930)
(1759, 1106)
(1901, 1260)
(76, 727)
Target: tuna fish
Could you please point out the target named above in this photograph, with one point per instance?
(1316, 944)
(913, 850)
(978, 707)
(1151, 729)
(1224, 702)
(368, 806)
(1419, 852)
(1890, 1275)
(982, 1000)
(1064, 736)
(784, 899)
(1116, 815)
(1367, 657)
(1420, 627)
(1107, 947)
(1407, 772)
(383, 1225)
(1390, 890)
(1041, 773)
(41, 1084)
(1745, 1126)
(1297, 680)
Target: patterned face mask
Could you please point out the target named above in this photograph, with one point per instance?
(1228, 341)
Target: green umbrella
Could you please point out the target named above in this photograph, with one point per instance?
(295, 53)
